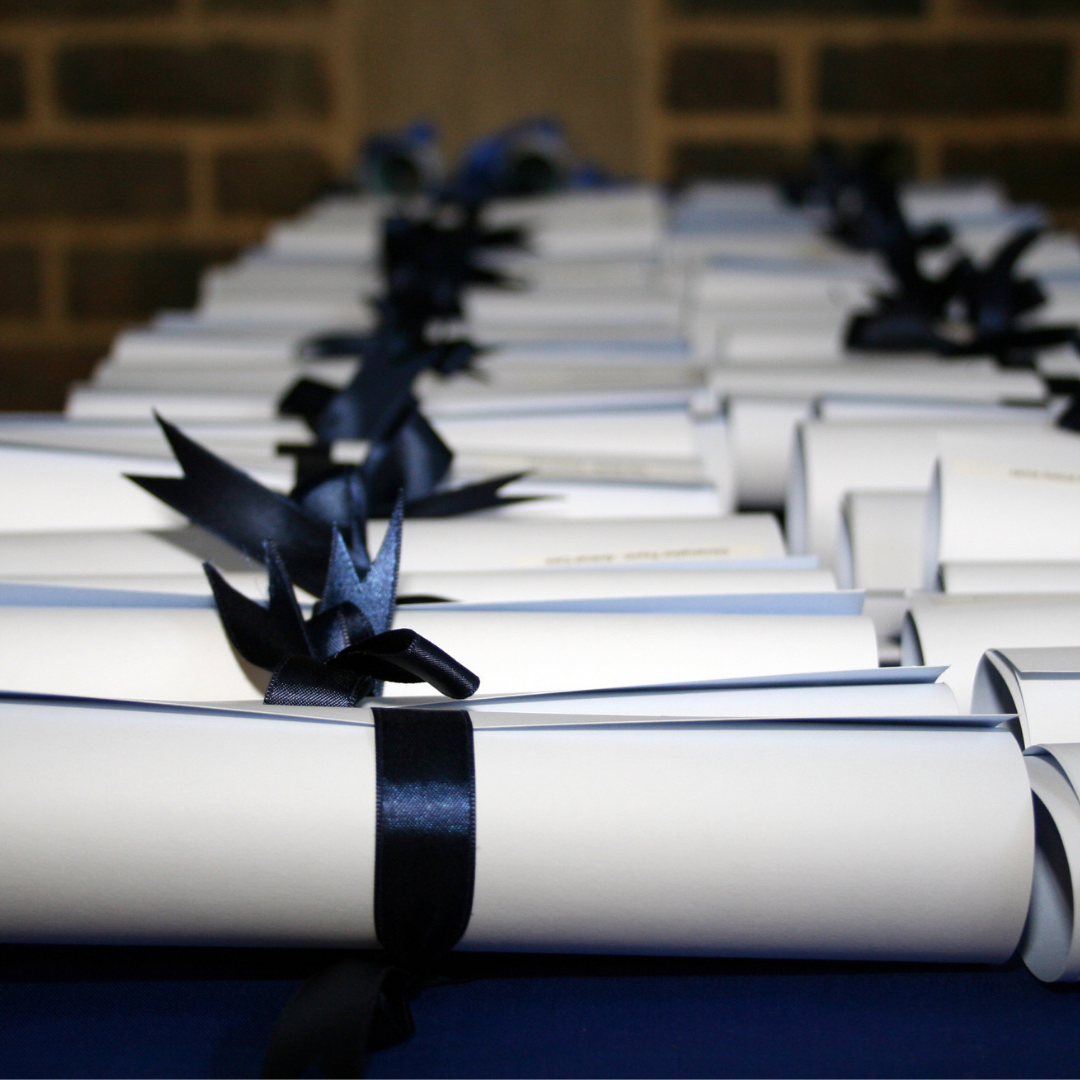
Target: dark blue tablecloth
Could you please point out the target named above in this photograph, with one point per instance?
(99, 1012)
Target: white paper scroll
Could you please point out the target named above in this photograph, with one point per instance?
(154, 827)
(429, 545)
(917, 700)
(183, 654)
(832, 459)
(957, 630)
(56, 490)
(1042, 686)
(1051, 944)
(960, 380)
(541, 652)
(761, 431)
(1011, 498)
(1010, 577)
(527, 585)
(638, 445)
(244, 444)
(505, 586)
(882, 540)
(498, 544)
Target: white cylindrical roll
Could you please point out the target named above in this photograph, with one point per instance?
(123, 826)
(833, 458)
(182, 654)
(544, 652)
(957, 630)
(1013, 497)
(1010, 577)
(429, 545)
(906, 377)
(513, 585)
(1042, 686)
(761, 433)
(68, 491)
(1051, 944)
(504, 544)
(882, 539)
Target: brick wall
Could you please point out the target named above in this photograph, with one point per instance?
(142, 139)
(964, 86)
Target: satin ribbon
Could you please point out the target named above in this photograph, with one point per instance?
(237, 508)
(425, 858)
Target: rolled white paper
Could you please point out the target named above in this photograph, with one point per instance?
(499, 586)
(833, 458)
(428, 545)
(504, 544)
(182, 653)
(126, 826)
(1042, 686)
(762, 433)
(1011, 498)
(910, 377)
(925, 699)
(957, 630)
(1010, 577)
(1051, 943)
(882, 540)
(542, 652)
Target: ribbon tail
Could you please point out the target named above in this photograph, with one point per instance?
(468, 499)
(238, 509)
(307, 399)
(359, 1003)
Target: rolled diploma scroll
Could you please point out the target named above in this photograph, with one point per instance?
(239, 443)
(1010, 577)
(500, 586)
(882, 540)
(1011, 498)
(1051, 945)
(957, 630)
(961, 380)
(833, 458)
(761, 433)
(1042, 686)
(182, 654)
(57, 490)
(633, 445)
(121, 826)
(858, 701)
(428, 545)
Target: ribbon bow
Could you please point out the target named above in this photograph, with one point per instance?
(346, 649)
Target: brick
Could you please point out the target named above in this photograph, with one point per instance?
(702, 78)
(133, 284)
(267, 7)
(218, 82)
(961, 78)
(39, 181)
(36, 377)
(276, 182)
(759, 161)
(811, 8)
(1021, 8)
(19, 283)
(698, 160)
(38, 9)
(1034, 170)
(12, 90)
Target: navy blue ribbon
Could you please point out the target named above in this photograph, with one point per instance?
(425, 859)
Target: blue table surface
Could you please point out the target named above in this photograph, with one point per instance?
(159, 1012)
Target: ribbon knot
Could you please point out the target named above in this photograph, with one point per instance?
(346, 650)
